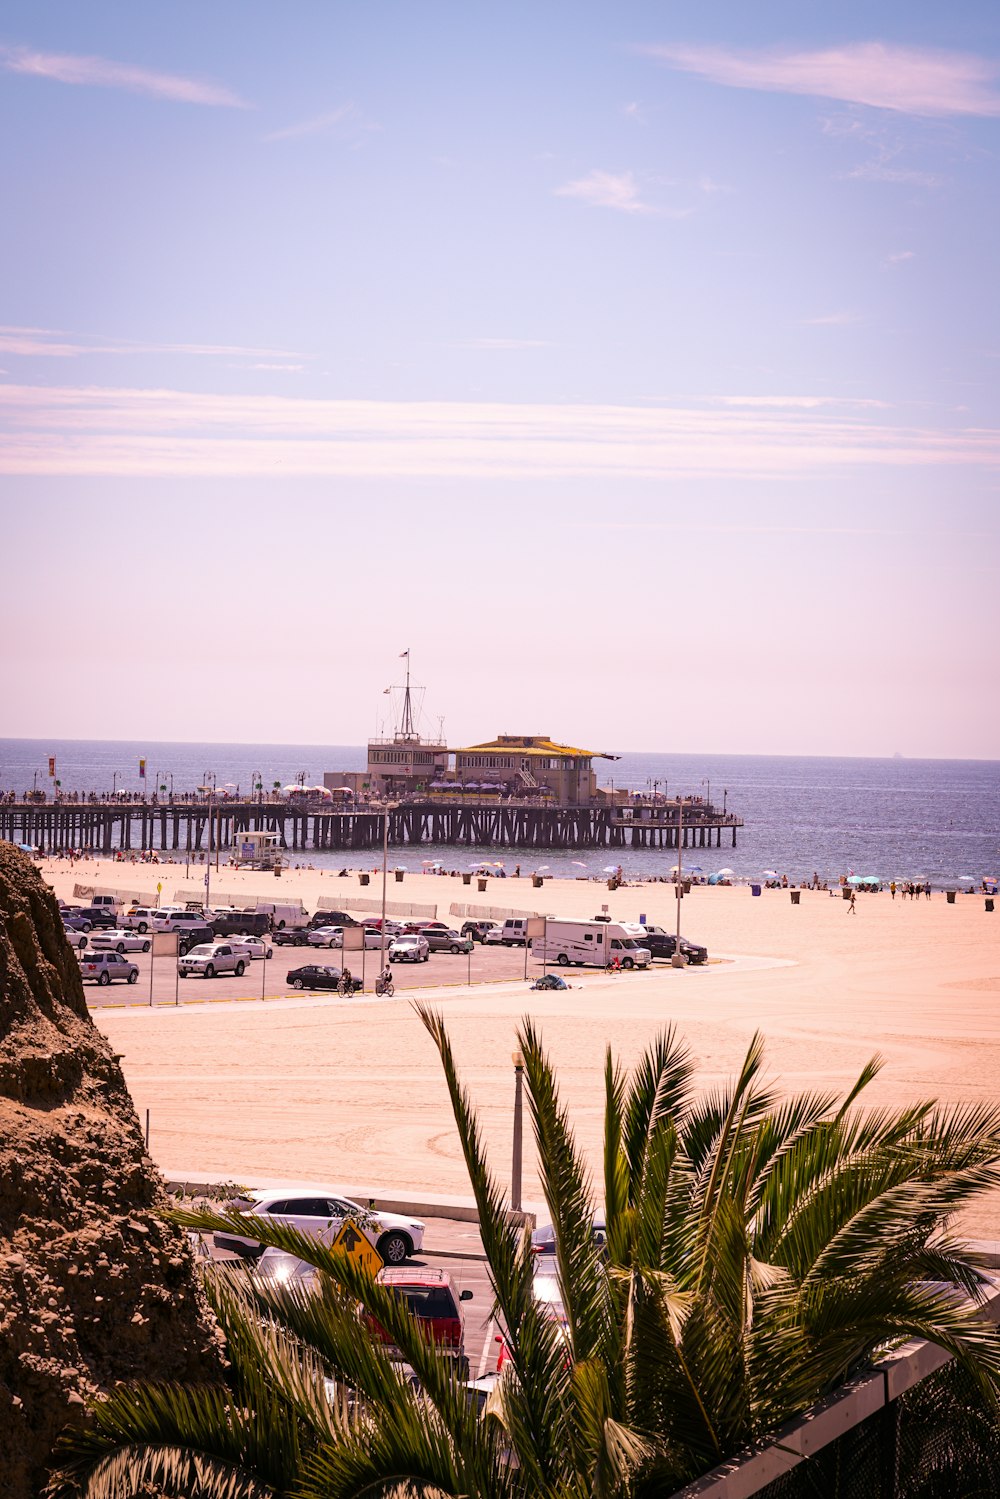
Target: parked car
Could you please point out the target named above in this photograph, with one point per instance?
(194, 936)
(96, 916)
(317, 976)
(103, 967)
(254, 947)
(408, 948)
(176, 921)
(321, 1213)
(120, 941)
(211, 960)
(543, 1240)
(333, 918)
(138, 919)
(432, 1298)
(493, 936)
(242, 924)
(478, 930)
(326, 936)
(290, 937)
(76, 939)
(414, 928)
(443, 940)
(662, 944)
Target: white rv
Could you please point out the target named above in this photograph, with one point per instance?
(590, 944)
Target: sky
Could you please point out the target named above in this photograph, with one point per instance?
(635, 367)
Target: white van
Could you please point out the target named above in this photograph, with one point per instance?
(515, 932)
(284, 914)
(107, 902)
(590, 944)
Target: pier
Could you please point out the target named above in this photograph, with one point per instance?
(183, 826)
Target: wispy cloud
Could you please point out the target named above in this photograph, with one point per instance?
(101, 72)
(57, 344)
(88, 430)
(830, 320)
(321, 124)
(910, 80)
(289, 369)
(882, 171)
(506, 343)
(607, 190)
(899, 257)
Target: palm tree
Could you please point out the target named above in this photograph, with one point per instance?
(758, 1251)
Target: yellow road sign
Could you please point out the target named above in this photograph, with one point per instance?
(353, 1241)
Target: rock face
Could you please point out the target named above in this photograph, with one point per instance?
(94, 1287)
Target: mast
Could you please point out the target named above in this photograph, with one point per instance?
(406, 730)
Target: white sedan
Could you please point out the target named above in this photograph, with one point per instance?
(118, 940)
(254, 947)
(493, 934)
(409, 949)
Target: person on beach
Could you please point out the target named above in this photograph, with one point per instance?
(850, 904)
(892, 888)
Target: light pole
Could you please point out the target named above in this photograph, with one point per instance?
(385, 864)
(677, 961)
(705, 781)
(209, 786)
(114, 784)
(515, 1172)
(171, 788)
(724, 795)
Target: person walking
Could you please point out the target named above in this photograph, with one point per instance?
(851, 904)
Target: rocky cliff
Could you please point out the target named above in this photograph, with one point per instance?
(94, 1286)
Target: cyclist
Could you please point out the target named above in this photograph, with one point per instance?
(346, 985)
(383, 984)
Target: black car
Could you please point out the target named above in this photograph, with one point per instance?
(241, 923)
(99, 916)
(317, 976)
(193, 936)
(477, 929)
(662, 944)
(331, 918)
(287, 936)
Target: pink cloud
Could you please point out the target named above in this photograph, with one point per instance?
(911, 80)
(101, 72)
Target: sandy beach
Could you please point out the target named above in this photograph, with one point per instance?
(318, 1088)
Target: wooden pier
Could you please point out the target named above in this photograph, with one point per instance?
(104, 827)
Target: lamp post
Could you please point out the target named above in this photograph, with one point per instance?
(705, 781)
(724, 795)
(677, 961)
(114, 784)
(385, 865)
(515, 1172)
(209, 786)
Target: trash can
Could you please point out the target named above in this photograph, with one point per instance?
(795, 896)
(687, 886)
(612, 884)
(537, 881)
(950, 897)
(399, 876)
(754, 889)
(845, 892)
(364, 878)
(481, 884)
(989, 903)
(467, 879)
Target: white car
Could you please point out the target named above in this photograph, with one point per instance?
(254, 947)
(326, 936)
(320, 1212)
(79, 940)
(408, 949)
(493, 935)
(176, 921)
(211, 960)
(118, 940)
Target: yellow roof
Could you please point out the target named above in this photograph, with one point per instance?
(528, 744)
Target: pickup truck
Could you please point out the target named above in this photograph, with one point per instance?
(662, 944)
(102, 967)
(212, 960)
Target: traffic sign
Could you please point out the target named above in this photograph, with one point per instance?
(355, 1243)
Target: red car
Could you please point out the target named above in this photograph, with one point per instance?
(431, 1297)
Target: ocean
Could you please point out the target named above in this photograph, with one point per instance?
(938, 820)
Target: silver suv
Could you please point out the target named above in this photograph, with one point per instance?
(212, 959)
(102, 967)
(440, 939)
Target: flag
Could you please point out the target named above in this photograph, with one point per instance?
(402, 654)
(52, 766)
(142, 770)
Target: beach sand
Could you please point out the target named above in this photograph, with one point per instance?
(313, 1088)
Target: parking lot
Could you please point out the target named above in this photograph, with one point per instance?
(267, 978)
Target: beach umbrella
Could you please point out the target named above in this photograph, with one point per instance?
(725, 871)
(613, 868)
(579, 863)
(770, 874)
(714, 879)
(695, 869)
(26, 848)
(541, 869)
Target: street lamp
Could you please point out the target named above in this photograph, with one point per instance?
(678, 960)
(705, 781)
(385, 864)
(515, 1174)
(209, 786)
(114, 784)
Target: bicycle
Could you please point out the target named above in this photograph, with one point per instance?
(345, 987)
(613, 967)
(385, 986)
